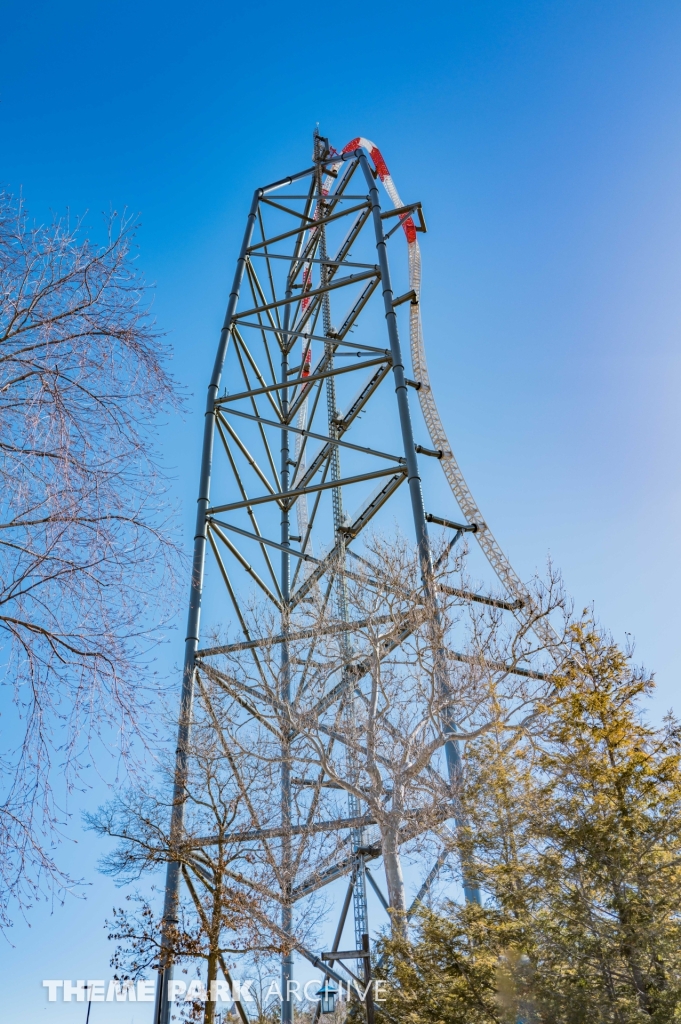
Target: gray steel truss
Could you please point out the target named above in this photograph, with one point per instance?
(285, 454)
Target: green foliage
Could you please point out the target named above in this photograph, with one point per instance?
(463, 969)
(575, 835)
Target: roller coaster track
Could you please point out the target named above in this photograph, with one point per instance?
(450, 467)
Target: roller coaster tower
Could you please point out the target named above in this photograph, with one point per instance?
(310, 433)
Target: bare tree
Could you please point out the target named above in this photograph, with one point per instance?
(380, 716)
(84, 556)
(233, 881)
(427, 680)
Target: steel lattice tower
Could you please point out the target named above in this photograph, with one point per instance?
(309, 347)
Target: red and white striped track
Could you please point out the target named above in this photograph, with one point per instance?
(496, 557)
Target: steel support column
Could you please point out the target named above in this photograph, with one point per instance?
(413, 478)
(285, 584)
(162, 1007)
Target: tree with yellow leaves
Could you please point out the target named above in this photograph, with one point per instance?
(576, 833)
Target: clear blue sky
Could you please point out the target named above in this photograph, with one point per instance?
(544, 141)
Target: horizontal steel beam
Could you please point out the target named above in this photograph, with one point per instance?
(317, 437)
(346, 954)
(254, 392)
(291, 496)
(286, 181)
(336, 196)
(331, 629)
(434, 454)
(319, 223)
(496, 666)
(401, 211)
(279, 831)
(335, 339)
(294, 213)
(331, 286)
(326, 262)
(336, 158)
(443, 813)
(421, 226)
(465, 528)
(407, 297)
(320, 965)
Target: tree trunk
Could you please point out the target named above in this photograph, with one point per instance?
(211, 975)
(395, 882)
(214, 946)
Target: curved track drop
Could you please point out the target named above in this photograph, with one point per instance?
(462, 493)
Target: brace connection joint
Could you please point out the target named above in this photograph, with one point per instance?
(465, 528)
(428, 451)
(369, 851)
(347, 954)
(404, 211)
(407, 297)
